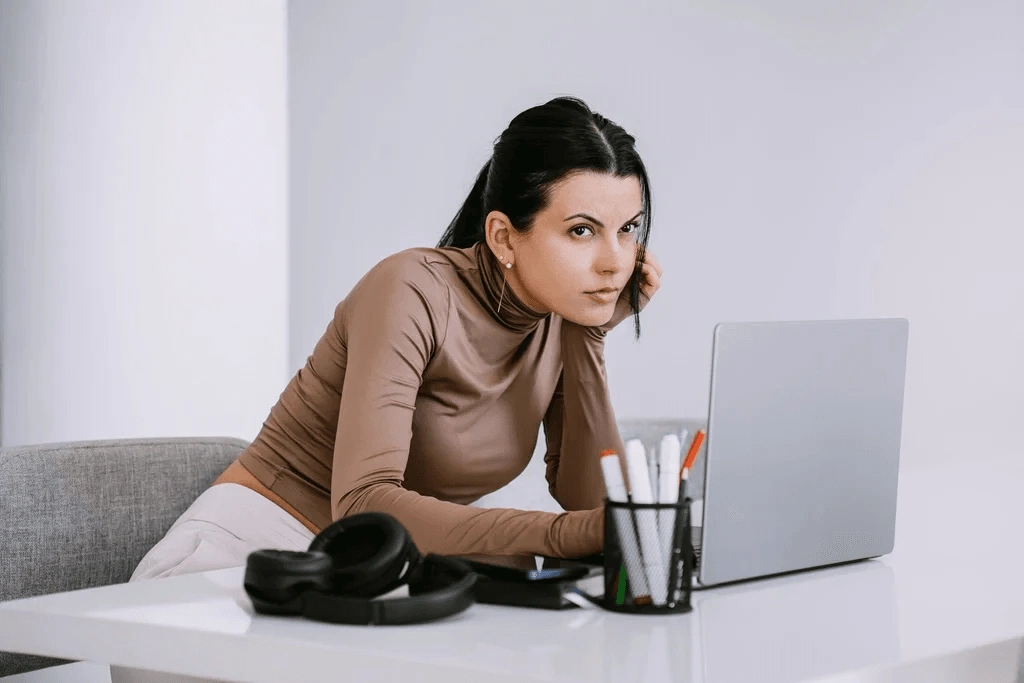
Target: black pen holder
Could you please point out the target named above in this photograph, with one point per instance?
(648, 557)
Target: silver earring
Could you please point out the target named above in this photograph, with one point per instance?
(503, 281)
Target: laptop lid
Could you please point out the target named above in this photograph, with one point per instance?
(803, 443)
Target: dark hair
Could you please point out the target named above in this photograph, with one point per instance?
(540, 147)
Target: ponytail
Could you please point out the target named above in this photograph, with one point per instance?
(467, 228)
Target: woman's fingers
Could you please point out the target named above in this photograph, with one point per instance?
(650, 275)
(651, 278)
(649, 258)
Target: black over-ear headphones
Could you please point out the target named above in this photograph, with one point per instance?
(348, 563)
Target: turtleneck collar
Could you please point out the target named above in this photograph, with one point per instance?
(514, 313)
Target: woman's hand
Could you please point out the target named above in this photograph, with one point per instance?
(650, 282)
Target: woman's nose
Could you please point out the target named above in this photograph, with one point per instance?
(612, 256)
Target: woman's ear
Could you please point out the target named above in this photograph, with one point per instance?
(498, 233)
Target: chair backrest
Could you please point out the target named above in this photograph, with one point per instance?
(78, 515)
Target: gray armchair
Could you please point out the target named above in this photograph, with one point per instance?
(78, 515)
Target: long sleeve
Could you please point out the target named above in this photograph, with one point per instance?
(580, 422)
(397, 318)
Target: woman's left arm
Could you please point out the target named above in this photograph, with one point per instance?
(580, 421)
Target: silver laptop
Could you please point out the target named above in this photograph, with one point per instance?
(803, 445)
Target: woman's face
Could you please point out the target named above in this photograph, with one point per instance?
(584, 241)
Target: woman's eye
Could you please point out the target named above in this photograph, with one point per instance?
(633, 227)
(579, 227)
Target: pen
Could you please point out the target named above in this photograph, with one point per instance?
(646, 520)
(616, 488)
(668, 485)
(677, 561)
(691, 455)
(677, 568)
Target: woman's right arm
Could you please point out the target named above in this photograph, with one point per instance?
(396, 318)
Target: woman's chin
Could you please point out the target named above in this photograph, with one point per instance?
(590, 317)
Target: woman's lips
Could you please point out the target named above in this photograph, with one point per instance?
(604, 295)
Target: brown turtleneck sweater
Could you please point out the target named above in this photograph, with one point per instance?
(420, 398)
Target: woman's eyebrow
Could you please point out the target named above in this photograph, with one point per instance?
(599, 223)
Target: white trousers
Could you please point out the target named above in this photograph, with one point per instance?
(219, 530)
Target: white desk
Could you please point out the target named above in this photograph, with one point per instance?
(954, 582)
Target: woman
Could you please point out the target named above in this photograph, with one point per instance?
(429, 386)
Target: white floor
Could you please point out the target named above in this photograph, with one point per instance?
(78, 672)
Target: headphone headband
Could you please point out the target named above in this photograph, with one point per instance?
(352, 561)
(438, 600)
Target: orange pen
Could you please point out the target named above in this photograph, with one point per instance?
(691, 455)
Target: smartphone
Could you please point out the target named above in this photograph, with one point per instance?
(523, 568)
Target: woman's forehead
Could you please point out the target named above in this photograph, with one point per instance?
(603, 196)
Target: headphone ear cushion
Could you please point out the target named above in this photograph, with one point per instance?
(371, 554)
(276, 580)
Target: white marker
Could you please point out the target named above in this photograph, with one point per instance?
(616, 488)
(668, 484)
(646, 520)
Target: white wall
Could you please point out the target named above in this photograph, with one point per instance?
(808, 160)
(143, 204)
